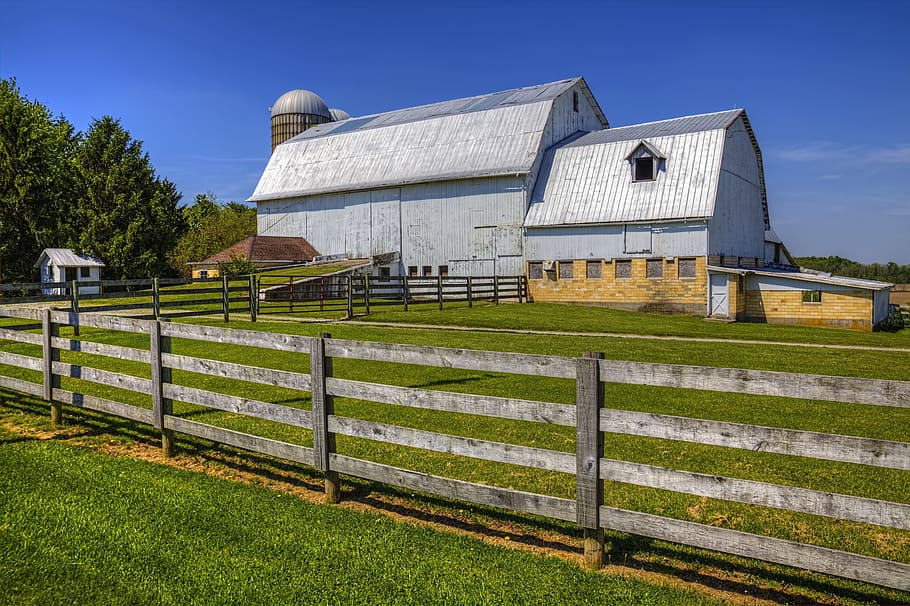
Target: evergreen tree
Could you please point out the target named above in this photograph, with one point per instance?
(36, 181)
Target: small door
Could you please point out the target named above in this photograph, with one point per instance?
(720, 295)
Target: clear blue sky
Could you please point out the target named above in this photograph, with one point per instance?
(826, 84)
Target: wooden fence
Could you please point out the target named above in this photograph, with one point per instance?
(268, 293)
(588, 416)
(358, 293)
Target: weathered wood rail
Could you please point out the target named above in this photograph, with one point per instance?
(588, 416)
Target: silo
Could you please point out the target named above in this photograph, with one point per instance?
(294, 112)
(339, 114)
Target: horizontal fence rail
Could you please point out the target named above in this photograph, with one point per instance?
(314, 379)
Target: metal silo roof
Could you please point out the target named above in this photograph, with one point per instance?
(300, 102)
(339, 114)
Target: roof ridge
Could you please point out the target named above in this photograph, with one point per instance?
(727, 111)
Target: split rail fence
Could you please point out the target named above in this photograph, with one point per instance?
(590, 419)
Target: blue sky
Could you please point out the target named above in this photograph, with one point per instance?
(826, 84)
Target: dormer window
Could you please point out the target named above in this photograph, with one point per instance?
(646, 162)
(644, 169)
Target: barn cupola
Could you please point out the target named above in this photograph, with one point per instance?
(646, 162)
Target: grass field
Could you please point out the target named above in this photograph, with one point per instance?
(868, 421)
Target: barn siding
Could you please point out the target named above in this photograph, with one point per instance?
(609, 241)
(737, 226)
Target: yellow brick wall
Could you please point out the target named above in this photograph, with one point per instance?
(669, 293)
(842, 309)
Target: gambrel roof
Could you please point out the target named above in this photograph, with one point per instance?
(586, 180)
(488, 135)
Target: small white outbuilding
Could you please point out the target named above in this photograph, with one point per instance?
(64, 265)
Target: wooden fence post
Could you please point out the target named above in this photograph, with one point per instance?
(404, 291)
(323, 406)
(254, 298)
(439, 290)
(225, 299)
(161, 374)
(470, 294)
(496, 289)
(156, 299)
(74, 304)
(366, 293)
(589, 450)
(350, 284)
(51, 354)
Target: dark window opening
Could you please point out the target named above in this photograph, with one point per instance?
(385, 272)
(574, 100)
(412, 271)
(85, 272)
(535, 270)
(565, 270)
(644, 169)
(427, 270)
(69, 274)
(443, 270)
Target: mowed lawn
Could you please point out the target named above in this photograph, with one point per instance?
(867, 421)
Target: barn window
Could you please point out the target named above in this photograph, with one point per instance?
(385, 272)
(623, 269)
(686, 268)
(565, 270)
(593, 270)
(443, 270)
(644, 169)
(655, 268)
(85, 272)
(427, 270)
(204, 274)
(535, 270)
(412, 271)
(812, 296)
(575, 100)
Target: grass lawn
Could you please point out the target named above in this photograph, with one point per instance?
(78, 527)
(867, 421)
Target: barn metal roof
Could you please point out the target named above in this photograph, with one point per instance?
(804, 276)
(487, 135)
(587, 180)
(65, 257)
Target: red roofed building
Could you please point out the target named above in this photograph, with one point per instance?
(263, 251)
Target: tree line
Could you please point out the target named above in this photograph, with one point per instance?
(890, 272)
(97, 193)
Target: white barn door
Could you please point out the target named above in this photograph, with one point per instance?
(720, 295)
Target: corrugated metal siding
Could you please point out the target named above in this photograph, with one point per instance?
(737, 224)
(608, 242)
(499, 141)
(593, 183)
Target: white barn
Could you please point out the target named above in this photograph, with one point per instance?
(534, 181)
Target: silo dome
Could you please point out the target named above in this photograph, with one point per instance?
(339, 114)
(294, 112)
(300, 102)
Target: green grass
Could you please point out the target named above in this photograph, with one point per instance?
(868, 421)
(77, 527)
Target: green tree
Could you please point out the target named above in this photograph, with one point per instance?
(211, 228)
(239, 265)
(36, 180)
(126, 215)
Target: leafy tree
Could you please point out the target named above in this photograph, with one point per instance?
(891, 272)
(239, 265)
(36, 180)
(126, 214)
(211, 228)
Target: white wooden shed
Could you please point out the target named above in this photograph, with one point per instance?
(64, 265)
